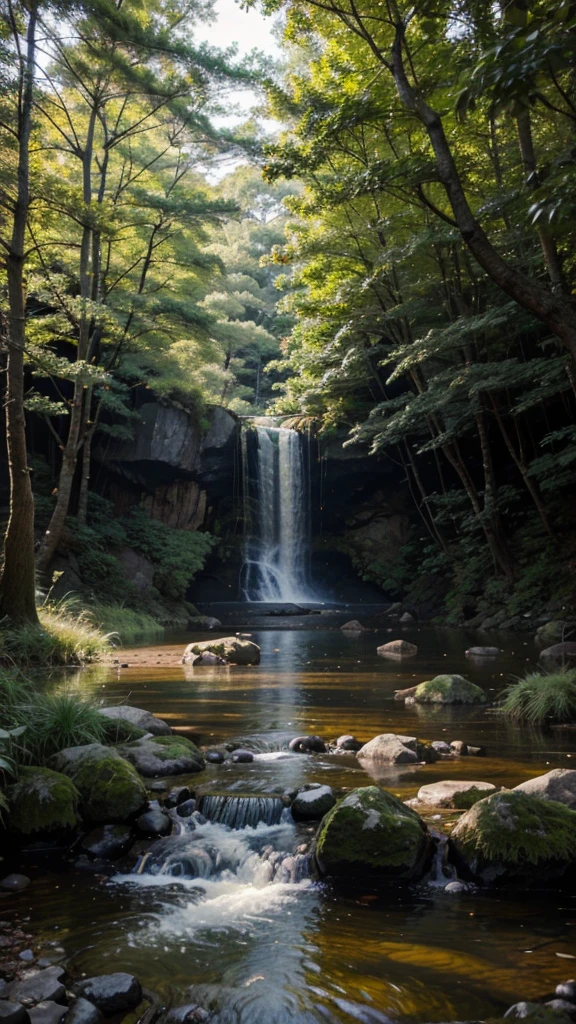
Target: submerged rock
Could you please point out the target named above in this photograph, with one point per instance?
(483, 652)
(511, 836)
(559, 784)
(111, 993)
(562, 653)
(354, 627)
(455, 793)
(154, 822)
(242, 757)
(312, 802)
(43, 801)
(108, 841)
(110, 788)
(39, 986)
(449, 689)
(397, 649)
(14, 883)
(232, 649)
(442, 748)
(214, 757)
(164, 755)
(371, 832)
(139, 718)
(348, 742)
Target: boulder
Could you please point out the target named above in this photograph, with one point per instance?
(483, 652)
(563, 653)
(137, 716)
(214, 757)
(312, 802)
(442, 748)
(110, 789)
(389, 748)
(231, 648)
(184, 810)
(566, 990)
(559, 784)
(177, 795)
(164, 755)
(46, 1013)
(514, 837)
(371, 832)
(37, 986)
(455, 793)
(449, 689)
(108, 841)
(83, 1012)
(555, 632)
(111, 993)
(307, 745)
(354, 627)
(397, 649)
(192, 1013)
(14, 883)
(242, 757)
(406, 619)
(348, 742)
(459, 748)
(42, 801)
(154, 822)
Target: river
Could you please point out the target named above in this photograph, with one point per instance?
(257, 949)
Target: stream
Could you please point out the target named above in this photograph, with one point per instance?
(229, 918)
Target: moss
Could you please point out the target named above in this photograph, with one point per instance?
(449, 689)
(170, 748)
(43, 801)
(464, 801)
(513, 828)
(371, 829)
(119, 730)
(110, 788)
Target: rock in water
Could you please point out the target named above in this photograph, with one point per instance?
(353, 627)
(449, 689)
(559, 784)
(43, 801)
(307, 745)
(108, 841)
(232, 649)
(452, 793)
(138, 717)
(46, 1013)
(561, 653)
(110, 788)
(111, 993)
(39, 986)
(312, 802)
(14, 883)
(371, 832)
(397, 649)
(83, 1012)
(483, 652)
(348, 742)
(164, 755)
(13, 1013)
(513, 837)
(388, 748)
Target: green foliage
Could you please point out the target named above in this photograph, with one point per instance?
(127, 624)
(542, 698)
(177, 554)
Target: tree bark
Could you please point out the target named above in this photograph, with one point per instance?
(17, 581)
(547, 243)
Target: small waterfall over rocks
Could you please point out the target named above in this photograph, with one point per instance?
(240, 812)
(276, 515)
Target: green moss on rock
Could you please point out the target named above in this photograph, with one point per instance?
(449, 689)
(513, 835)
(371, 831)
(109, 787)
(43, 801)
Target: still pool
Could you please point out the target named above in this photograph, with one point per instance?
(256, 946)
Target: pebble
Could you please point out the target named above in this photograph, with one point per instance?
(27, 955)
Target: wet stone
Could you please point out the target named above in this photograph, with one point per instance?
(82, 1011)
(39, 986)
(185, 809)
(307, 745)
(111, 993)
(190, 1014)
(14, 883)
(459, 747)
(47, 1013)
(153, 822)
(563, 1006)
(108, 841)
(348, 743)
(177, 795)
(242, 757)
(27, 955)
(13, 1013)
(441, 747)
(567, 990)
(214, 757)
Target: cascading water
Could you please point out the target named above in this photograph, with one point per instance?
(277, 532)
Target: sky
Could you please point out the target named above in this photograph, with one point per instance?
(249, 29)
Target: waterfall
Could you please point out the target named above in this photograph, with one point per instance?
(239, 812)
(277, 535)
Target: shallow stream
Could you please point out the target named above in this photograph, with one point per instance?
(239, 930)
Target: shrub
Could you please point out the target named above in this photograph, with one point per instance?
(63, 636)
(129, 625)
(177, 554)
(542, 699)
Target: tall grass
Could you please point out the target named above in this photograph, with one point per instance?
(542, 699)
(52, 721)
(127, 624)
(65, 635)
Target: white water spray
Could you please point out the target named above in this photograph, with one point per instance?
(278, 538)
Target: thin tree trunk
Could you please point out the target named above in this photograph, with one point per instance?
(547, 243)
(522, 468)
(17, 582)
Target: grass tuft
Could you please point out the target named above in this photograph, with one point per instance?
(542, 699)
(65, 635)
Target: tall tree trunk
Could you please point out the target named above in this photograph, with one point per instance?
(17, 581)
(547, 243)
(74, 440)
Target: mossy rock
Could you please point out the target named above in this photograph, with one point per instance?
(118, 731)
(511, 836)
(232, 649)
(42, 801)
(449, 689)
(371, 832)
(110, 789)
(164, 755)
